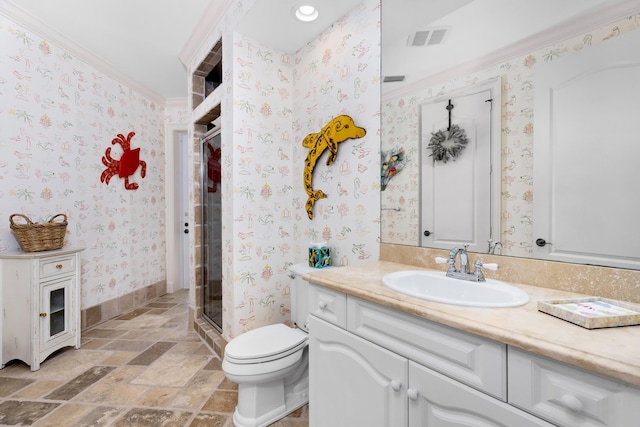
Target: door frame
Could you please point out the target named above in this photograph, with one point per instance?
(175, 190)
(494, 86)
(216, 131)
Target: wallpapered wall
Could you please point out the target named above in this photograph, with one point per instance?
(57, 117)
(339, 73)
(260, 202)
(278, 99)
(400, 129)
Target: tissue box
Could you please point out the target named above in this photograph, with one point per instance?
(320, 257)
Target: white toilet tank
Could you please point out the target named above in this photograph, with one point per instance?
(300, 294)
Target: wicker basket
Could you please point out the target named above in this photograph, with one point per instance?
(34, 237)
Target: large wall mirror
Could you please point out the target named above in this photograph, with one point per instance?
(438, 49)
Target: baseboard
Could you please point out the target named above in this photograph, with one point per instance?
(108, 310)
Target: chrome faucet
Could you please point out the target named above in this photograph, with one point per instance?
(464, 273)
(464, 260)
(493, 246)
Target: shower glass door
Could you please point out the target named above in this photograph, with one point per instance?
(212, 229)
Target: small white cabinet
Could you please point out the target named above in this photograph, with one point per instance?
(40, 299)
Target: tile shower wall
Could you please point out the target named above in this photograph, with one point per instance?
(58, 116)
(400, 129)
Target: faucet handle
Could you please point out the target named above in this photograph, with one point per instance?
(479, 265)
(451, 261)
(490, 266)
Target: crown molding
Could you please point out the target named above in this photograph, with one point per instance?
(176, 102)
(207, 23)
(579, 25)
(33, 24)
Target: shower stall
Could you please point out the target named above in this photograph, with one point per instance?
(211, 178)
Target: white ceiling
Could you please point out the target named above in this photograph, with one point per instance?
(478, 29)
(272, 21)
(142, 39)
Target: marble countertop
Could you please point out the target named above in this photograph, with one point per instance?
(613, 352)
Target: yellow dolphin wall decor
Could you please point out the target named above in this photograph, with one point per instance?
(338, 130)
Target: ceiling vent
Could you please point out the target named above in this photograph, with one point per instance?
(428, 37)
(390, 79)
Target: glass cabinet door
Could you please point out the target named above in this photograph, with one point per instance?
(55, 312)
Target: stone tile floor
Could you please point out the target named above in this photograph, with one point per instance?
(144, 368)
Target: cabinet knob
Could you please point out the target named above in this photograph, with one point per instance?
(43, 314)
(322, 305)
(571, 402)
(396, 385)
(59, 266)
(413, 394)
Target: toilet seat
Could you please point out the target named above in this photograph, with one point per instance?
(265, 344)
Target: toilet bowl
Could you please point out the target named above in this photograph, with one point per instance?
(270, 364)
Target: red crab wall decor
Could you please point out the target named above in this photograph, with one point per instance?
(126, 166)
(214, 168)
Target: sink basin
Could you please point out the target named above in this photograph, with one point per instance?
(436, 286)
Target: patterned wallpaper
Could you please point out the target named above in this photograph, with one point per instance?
(260, 204)
(400, 129)
(57, 118)
(278, 99)
(54, 106)
(339, 73)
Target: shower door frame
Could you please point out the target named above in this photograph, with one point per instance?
(211, 134)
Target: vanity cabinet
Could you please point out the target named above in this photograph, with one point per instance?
(40, 297)
(386, 368)
(373, 365)
(436, 400)
(567, 396)
(352, 381)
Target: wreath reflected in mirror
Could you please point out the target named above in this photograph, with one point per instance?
(447, 145)
(393, 161)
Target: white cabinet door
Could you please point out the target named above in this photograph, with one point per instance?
(439, 401)
(56, 313)
(353, 382)
(475, 361)
(568, 396)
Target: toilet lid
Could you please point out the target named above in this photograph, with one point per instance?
(265, 343)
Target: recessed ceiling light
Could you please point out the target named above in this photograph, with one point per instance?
(306, 13)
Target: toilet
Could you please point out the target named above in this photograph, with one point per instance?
(270, 364)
